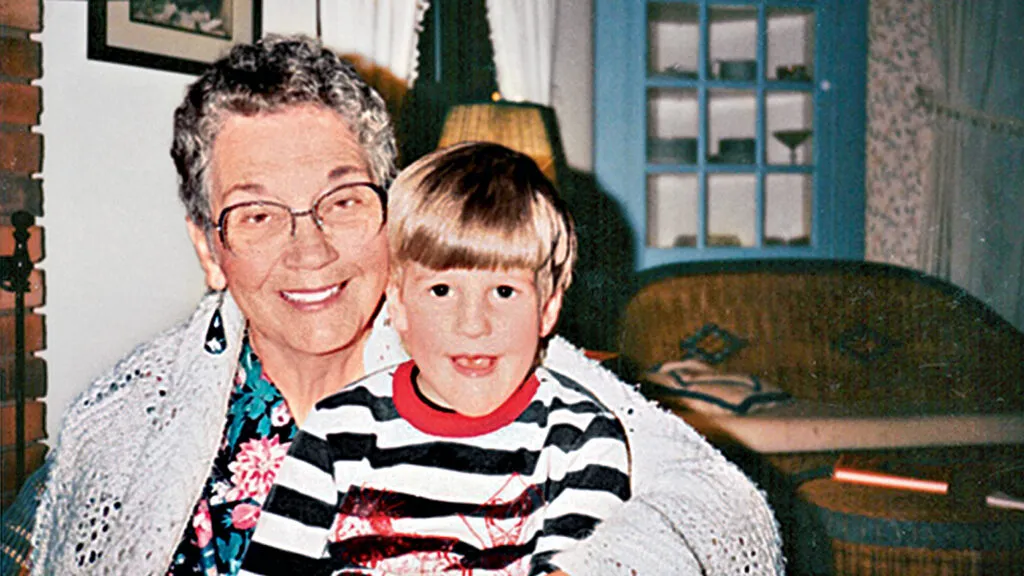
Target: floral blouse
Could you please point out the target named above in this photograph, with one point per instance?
(257, 434)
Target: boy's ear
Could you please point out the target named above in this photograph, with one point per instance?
(396, 307)
(549, 315)
(215, 277)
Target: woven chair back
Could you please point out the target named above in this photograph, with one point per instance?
(838, 332)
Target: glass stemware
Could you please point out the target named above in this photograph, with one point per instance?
(792, 139)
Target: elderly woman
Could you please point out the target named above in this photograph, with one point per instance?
(161, 466)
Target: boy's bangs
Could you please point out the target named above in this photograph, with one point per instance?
(448, 243)
(481, 206)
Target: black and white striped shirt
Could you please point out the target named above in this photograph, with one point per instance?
(380, 481)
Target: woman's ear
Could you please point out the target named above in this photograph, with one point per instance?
(215, 277)
(549, 315)
(396, 307)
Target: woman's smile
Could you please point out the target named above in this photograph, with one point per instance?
(313, 297)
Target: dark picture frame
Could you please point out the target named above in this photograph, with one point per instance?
(114, 36)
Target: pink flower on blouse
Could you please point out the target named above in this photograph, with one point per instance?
(255, 468)
(244, 516)
(203, 524)
(280, 415)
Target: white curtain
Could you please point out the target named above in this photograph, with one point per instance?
(974, 203)
(383, 32)
(523, 36)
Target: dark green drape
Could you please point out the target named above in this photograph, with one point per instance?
(456, 64)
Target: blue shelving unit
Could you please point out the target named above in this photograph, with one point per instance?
(633, 84)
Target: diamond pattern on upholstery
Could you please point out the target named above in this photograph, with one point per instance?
(712, 344)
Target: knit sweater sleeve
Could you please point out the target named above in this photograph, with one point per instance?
(692, 511)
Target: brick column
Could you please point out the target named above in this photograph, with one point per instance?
(21, 152)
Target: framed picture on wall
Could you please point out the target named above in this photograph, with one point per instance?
(176, 35)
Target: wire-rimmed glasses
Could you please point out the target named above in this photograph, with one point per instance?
(349, 215)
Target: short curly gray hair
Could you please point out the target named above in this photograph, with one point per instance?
(270, 75)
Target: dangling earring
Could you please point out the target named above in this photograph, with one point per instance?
(216, 341)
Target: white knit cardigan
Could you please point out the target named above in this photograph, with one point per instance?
(135, 450)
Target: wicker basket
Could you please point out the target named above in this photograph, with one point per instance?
(836, 528)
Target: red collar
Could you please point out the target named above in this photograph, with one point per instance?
(430, 420)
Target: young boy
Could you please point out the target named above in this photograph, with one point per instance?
(470, 458)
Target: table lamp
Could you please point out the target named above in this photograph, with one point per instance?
(528, 128)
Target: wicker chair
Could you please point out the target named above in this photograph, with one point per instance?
(870, 343)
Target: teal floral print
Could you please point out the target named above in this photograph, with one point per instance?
(257, 434)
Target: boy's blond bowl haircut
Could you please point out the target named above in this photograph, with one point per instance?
(481, 206)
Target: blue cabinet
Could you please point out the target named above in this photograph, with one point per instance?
(733, 128)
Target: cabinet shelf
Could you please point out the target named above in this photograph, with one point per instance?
(790, 85)
(717, 94)
(670, 81)
(689, 11)
(715, 168)
(660, 256)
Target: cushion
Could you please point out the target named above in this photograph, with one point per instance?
(700, 388)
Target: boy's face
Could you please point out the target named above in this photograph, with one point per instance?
(473, 333)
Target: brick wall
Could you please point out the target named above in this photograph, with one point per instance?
(21, 152)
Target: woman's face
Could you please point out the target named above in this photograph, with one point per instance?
(313, 296)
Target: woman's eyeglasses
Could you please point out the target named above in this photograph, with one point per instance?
(348, 215)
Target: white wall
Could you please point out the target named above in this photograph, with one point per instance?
(119, 266)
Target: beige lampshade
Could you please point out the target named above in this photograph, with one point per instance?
(521, 127)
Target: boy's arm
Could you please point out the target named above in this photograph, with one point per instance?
(592, 483)
(691, 510)
(295, 523)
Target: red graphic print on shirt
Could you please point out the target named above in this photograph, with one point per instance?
(505, 517)
(365, 523)
(496, 535)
